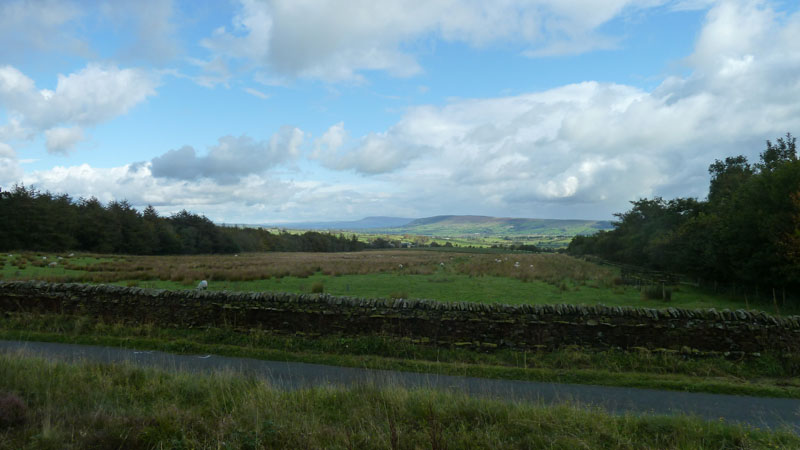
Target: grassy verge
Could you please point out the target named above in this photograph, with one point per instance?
(767, 376)
(62, 406)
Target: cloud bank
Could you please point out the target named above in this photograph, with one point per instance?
(231, 159)
(579, 150)
(336, 40)
(88, 97)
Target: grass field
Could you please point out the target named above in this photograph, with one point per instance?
(465, 242)
(46, 405)
(446, 276)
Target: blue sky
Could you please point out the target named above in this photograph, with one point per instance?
(258, 111)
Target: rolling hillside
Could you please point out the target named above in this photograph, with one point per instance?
(499, 226)
(461, 226)
(366, 223)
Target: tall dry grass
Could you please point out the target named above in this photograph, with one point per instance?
(551, 268)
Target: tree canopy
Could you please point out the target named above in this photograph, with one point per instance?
(746, 231)
(34, 220)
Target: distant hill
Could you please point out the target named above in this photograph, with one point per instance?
(455, 226)
(363, 224)
(500, 226)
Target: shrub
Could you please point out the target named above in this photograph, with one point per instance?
(317, 287)
(12, 411)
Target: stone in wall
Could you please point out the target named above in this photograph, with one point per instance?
(484, 326)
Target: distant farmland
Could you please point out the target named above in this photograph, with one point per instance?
(499, 226)
(469, 230)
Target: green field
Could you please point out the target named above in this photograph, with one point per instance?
(498, 226)
(470, 231)
(466, 241)
(456, 225)
(514, 278)
(450, 287)
(47, 405)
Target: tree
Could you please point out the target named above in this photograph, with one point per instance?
(726, 177)
(783, 152)
(746, 231)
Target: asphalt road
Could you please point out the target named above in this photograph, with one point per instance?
(755, 411)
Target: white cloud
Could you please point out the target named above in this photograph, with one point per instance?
(331, 141)
(10, 172)
(257, 93)
(38, 26)
(88, 97)
(6, 151)
(336, 40)
(733, 30)
(581, 150)
(372, 154)
(231, 159)
(61, 140)
(132, 182)
(144, 29)
(93, 95)
(13, 130)
(692, 5)
(599, 144)
(250, 199)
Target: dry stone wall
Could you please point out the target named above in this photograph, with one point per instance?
(477, 325)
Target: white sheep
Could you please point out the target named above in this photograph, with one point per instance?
(203, 285)
(53, 264)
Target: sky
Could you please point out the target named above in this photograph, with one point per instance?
(273, 111)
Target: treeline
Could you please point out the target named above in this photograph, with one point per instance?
(41, 221)
(746, 232)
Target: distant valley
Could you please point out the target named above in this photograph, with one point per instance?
(459, 226)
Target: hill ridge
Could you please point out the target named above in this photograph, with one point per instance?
(462, 225)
